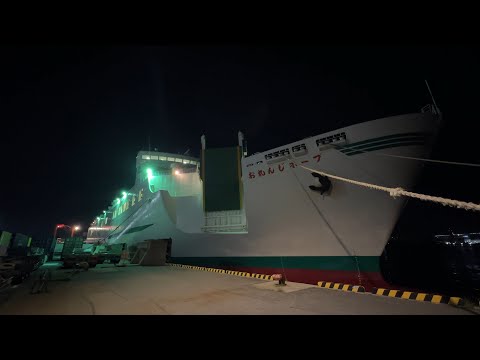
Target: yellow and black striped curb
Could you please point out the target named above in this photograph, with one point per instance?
(245, 274)
(339, 286)
(437, 299)
(221, 271)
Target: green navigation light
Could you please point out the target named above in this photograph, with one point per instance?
(149, 177)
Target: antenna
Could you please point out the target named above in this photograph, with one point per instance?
(433, 99)
(149, 144)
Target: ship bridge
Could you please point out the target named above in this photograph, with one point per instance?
(162, 163)
(177, 174)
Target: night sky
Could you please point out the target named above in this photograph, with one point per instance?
(73, 118)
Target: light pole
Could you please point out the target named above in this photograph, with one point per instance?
(75, 228)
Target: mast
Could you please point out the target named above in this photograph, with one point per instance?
(242, 143)
(433, 99)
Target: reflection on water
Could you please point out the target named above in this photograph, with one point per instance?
(446, 264)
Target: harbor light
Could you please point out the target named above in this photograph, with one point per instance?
(177, 172)
(118, 201)
(73, 228)
(124, 195)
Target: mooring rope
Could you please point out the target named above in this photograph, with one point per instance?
(395, 192)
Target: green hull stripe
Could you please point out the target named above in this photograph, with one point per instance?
(385, 142)
(406, 143)
(138, 228)
(132, 230)
(381, 138)
(346, 263)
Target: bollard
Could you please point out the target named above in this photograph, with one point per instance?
(281, 279)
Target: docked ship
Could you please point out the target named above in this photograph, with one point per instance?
(266, 212)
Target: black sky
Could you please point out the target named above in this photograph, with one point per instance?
(73, 118)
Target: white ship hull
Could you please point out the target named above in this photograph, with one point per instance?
(287, 227)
